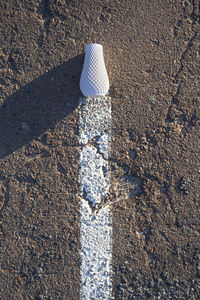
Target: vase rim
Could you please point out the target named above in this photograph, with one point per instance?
(94, 45)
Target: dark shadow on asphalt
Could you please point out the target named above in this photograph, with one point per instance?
(39, 105)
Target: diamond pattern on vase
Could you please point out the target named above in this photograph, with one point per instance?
(94, 78)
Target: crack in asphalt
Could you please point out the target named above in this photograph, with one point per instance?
(174, 98)
(182, 58)
(94, 142)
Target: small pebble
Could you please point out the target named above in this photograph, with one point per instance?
(152, 99)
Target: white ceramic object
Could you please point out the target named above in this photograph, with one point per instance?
(94, 78)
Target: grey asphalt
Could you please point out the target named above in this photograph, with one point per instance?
(152, 57)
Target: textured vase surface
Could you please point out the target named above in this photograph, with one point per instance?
(94, 78)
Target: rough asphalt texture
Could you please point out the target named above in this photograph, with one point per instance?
(151, 50)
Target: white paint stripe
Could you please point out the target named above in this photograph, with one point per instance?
(96, 227)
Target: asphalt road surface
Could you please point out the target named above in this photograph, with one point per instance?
(152, 57)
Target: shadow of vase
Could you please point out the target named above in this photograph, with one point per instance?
(39, 105)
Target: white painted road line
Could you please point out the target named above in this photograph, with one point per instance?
(95, 221)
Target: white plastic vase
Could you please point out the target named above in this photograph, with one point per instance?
(94, 78)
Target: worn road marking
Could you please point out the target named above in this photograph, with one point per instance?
(95, 220)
